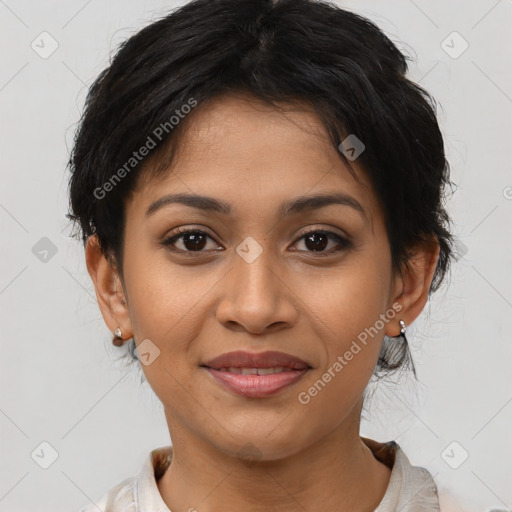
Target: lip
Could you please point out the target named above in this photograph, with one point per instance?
(256, 386)
(268, 359)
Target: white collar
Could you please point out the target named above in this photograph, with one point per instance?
(410, 488)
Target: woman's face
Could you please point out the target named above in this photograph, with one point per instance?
(253, 279)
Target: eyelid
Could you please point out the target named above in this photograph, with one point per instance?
(319, 228)
(345, 241)
(184, 230)
(311, 229)
(177, 233)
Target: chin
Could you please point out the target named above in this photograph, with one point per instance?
(261, 445)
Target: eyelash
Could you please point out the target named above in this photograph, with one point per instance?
(180, 232)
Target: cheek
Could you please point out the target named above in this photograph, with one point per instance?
(164, 297)
(348, 308)
(351, 346)
(332, 396)
(348, 301)
(166, 308)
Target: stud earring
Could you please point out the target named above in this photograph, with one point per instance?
(403, 328)
(118, 333)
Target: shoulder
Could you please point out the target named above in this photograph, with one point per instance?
(137, 491)
(120, 497)
(410, 487)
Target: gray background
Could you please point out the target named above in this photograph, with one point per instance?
(59, 379)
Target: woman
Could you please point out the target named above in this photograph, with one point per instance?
(259, 190)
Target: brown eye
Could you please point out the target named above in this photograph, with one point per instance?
(192, 240)
(318, 240)
(196, 241)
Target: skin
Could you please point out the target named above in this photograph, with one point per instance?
(290, 298)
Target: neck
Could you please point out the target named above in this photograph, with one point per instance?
(335, 474)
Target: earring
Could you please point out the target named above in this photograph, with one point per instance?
(403, 328)
(118, 340)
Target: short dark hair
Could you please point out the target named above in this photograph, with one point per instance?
(279, 51)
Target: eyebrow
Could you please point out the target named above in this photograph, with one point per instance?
(298, 205)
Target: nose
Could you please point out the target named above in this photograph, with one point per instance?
(256, 296)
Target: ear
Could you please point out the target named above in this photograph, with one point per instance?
(412, 286)
(109, 289)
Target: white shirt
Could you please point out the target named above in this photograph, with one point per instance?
(410, 488)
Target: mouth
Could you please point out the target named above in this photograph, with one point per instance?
(253, 371)
(256, 375)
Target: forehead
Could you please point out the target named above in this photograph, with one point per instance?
(245, 151)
